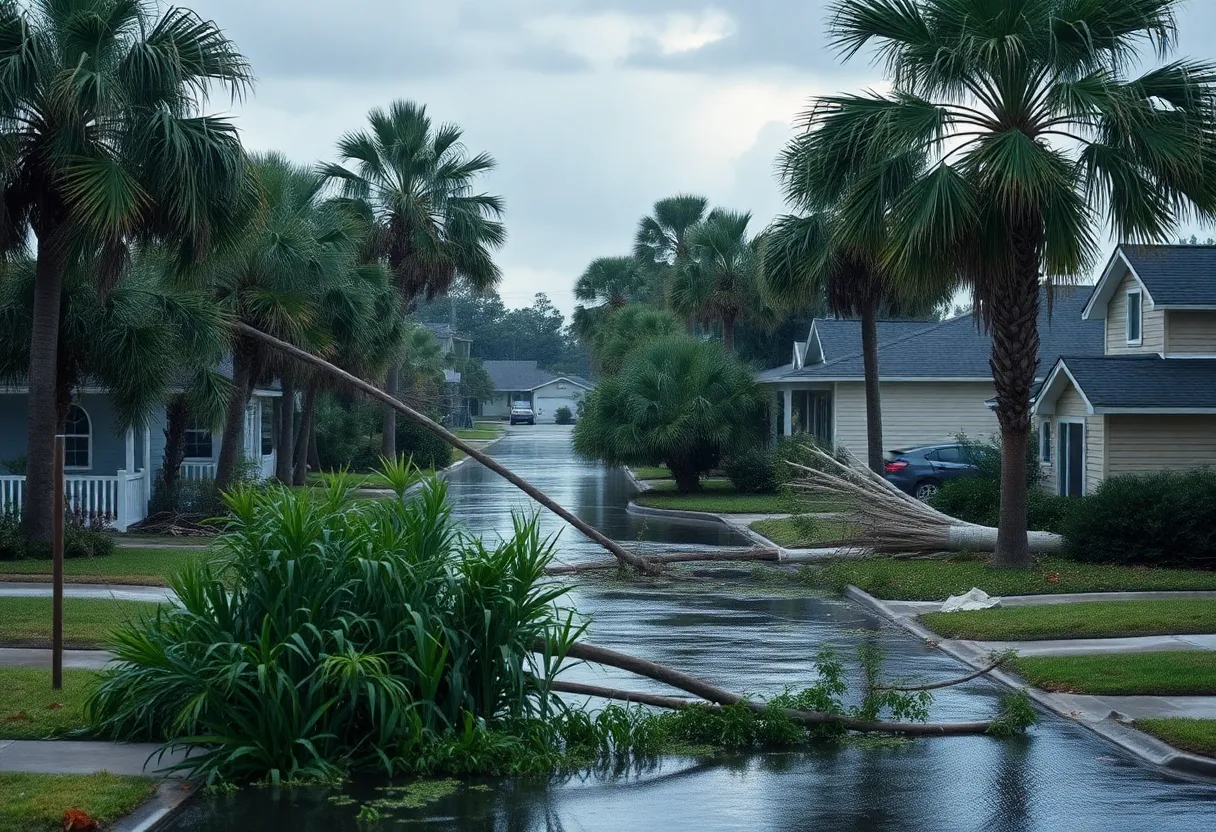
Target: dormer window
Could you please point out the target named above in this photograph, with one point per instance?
(1135, 314)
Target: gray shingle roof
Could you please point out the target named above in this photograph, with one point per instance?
(842, 338)
(510, 376)
(1146, 382)
(1175, 275)
(957, 348)
(446, 331)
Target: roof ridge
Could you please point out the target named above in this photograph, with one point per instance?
(932, 327)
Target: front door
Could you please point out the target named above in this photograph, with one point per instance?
(1070, 459)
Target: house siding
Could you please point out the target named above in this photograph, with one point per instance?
(1157, 443)
(1071, 406)
(108, 449)
(1191, 332)
(916, 413)
(1152, 330)
(549, 397)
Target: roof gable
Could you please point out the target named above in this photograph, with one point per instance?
(1173, 277)
(1134, 384)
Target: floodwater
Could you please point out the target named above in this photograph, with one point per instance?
(1059, 777)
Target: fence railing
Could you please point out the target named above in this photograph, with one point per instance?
(198, 470)
(119, 501)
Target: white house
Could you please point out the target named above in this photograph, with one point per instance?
(935, 378)
(523, 381)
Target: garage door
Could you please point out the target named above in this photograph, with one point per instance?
(547, 407)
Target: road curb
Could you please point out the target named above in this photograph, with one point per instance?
(170, 797)
(1144, 747)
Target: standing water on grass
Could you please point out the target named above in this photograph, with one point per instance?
(754, 640)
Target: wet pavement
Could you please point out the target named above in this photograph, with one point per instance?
(1060, 777)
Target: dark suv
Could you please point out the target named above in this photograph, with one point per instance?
(921, 471)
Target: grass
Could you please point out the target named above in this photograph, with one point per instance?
(1090, 619)
(646, 472)
(720, 497)
(804, 531)
(36, 802)
(1174, 673)
(87, 622)
(935, 580)
(1197, 736)
(145, 567)
(478, 434)
(30, 710)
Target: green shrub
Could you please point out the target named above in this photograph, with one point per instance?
(1166, 518)
(425, 448)
(563, 416)
(12, 541)
(799, 450)
(752, 471)
(977, 499)
(79, 541)
(335, 633)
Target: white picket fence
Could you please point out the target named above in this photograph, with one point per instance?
(119, 501)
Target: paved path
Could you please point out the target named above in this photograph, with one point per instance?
(117, 592)
(1088, 646)
(32, 657)
(81, 757)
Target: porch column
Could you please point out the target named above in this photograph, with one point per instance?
(130, 463)
(147, 464)
(774, 404)
(789, 411)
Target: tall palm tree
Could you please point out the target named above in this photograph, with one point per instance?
(415, 183)
(610, 282)
(835, 248)
(722, 280)
(1033, 130)
(102, 142)
(661, 241)
(273, 279)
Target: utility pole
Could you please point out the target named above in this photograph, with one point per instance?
(57, 579)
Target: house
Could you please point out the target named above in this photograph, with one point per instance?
(523, 381)
(109, 471)
(1148, 402)
(935, 378)
(450, 341)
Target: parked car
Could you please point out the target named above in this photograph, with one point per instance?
(522, 414)
(921, 471)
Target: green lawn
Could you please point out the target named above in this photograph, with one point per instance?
(935, 580)
(719, 496)
(1173, 673)
(36, 802)
(146, 567)
(646, 472)
(1092, 619)
(806, 531)
(26, 622)
(478, 434)
(1197, 736)
(30, 710)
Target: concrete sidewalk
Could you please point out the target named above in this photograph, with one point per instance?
(115, 592)
(85, 757)
(33, 657)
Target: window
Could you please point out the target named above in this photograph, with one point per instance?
(1134, 314)
(267, 430)
(1070, 459)
(1045, 443)
(949, 454)
(77, 439)
(198, 441)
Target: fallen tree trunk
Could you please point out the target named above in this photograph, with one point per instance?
(721, 697)
(764, 555)
(620, 553)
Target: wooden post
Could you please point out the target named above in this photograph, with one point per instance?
(57, 579)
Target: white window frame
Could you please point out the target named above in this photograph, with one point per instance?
(1046, 438)
(1139, 339)
(88, 438)
(193, 428)
(1061, 466)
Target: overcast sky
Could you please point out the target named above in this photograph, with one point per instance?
(593, 108)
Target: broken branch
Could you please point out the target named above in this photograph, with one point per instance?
(949, 683)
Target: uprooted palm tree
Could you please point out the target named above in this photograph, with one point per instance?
(414, 185)
(1033, 129)
(722, 279)
(101, 143)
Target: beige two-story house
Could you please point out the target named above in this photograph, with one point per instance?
(1149, 402)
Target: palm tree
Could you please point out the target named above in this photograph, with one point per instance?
(415, 183)
(610, 282)
(101, 142)
(273, 279)
(621, 332)
(835, 249)
(1032, 129)
(661, 241)
(722, 279)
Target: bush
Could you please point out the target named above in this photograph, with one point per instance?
(563, 416)
(752, 471)
(340, 633)
(79, 541)
(1164, 518)
(977, 499)
(416, 442)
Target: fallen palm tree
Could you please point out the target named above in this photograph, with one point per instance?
(892, 522)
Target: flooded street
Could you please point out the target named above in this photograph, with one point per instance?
(756, 640)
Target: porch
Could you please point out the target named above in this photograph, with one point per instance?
(805, 410)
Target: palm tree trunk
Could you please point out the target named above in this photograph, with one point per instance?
(728, 332)
(37, 515)
(177, 416)
(308, 413)
(285, 441)
(869, 354)
(388, 422)
(1015, 359)
(314, 455)
(234, 423)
